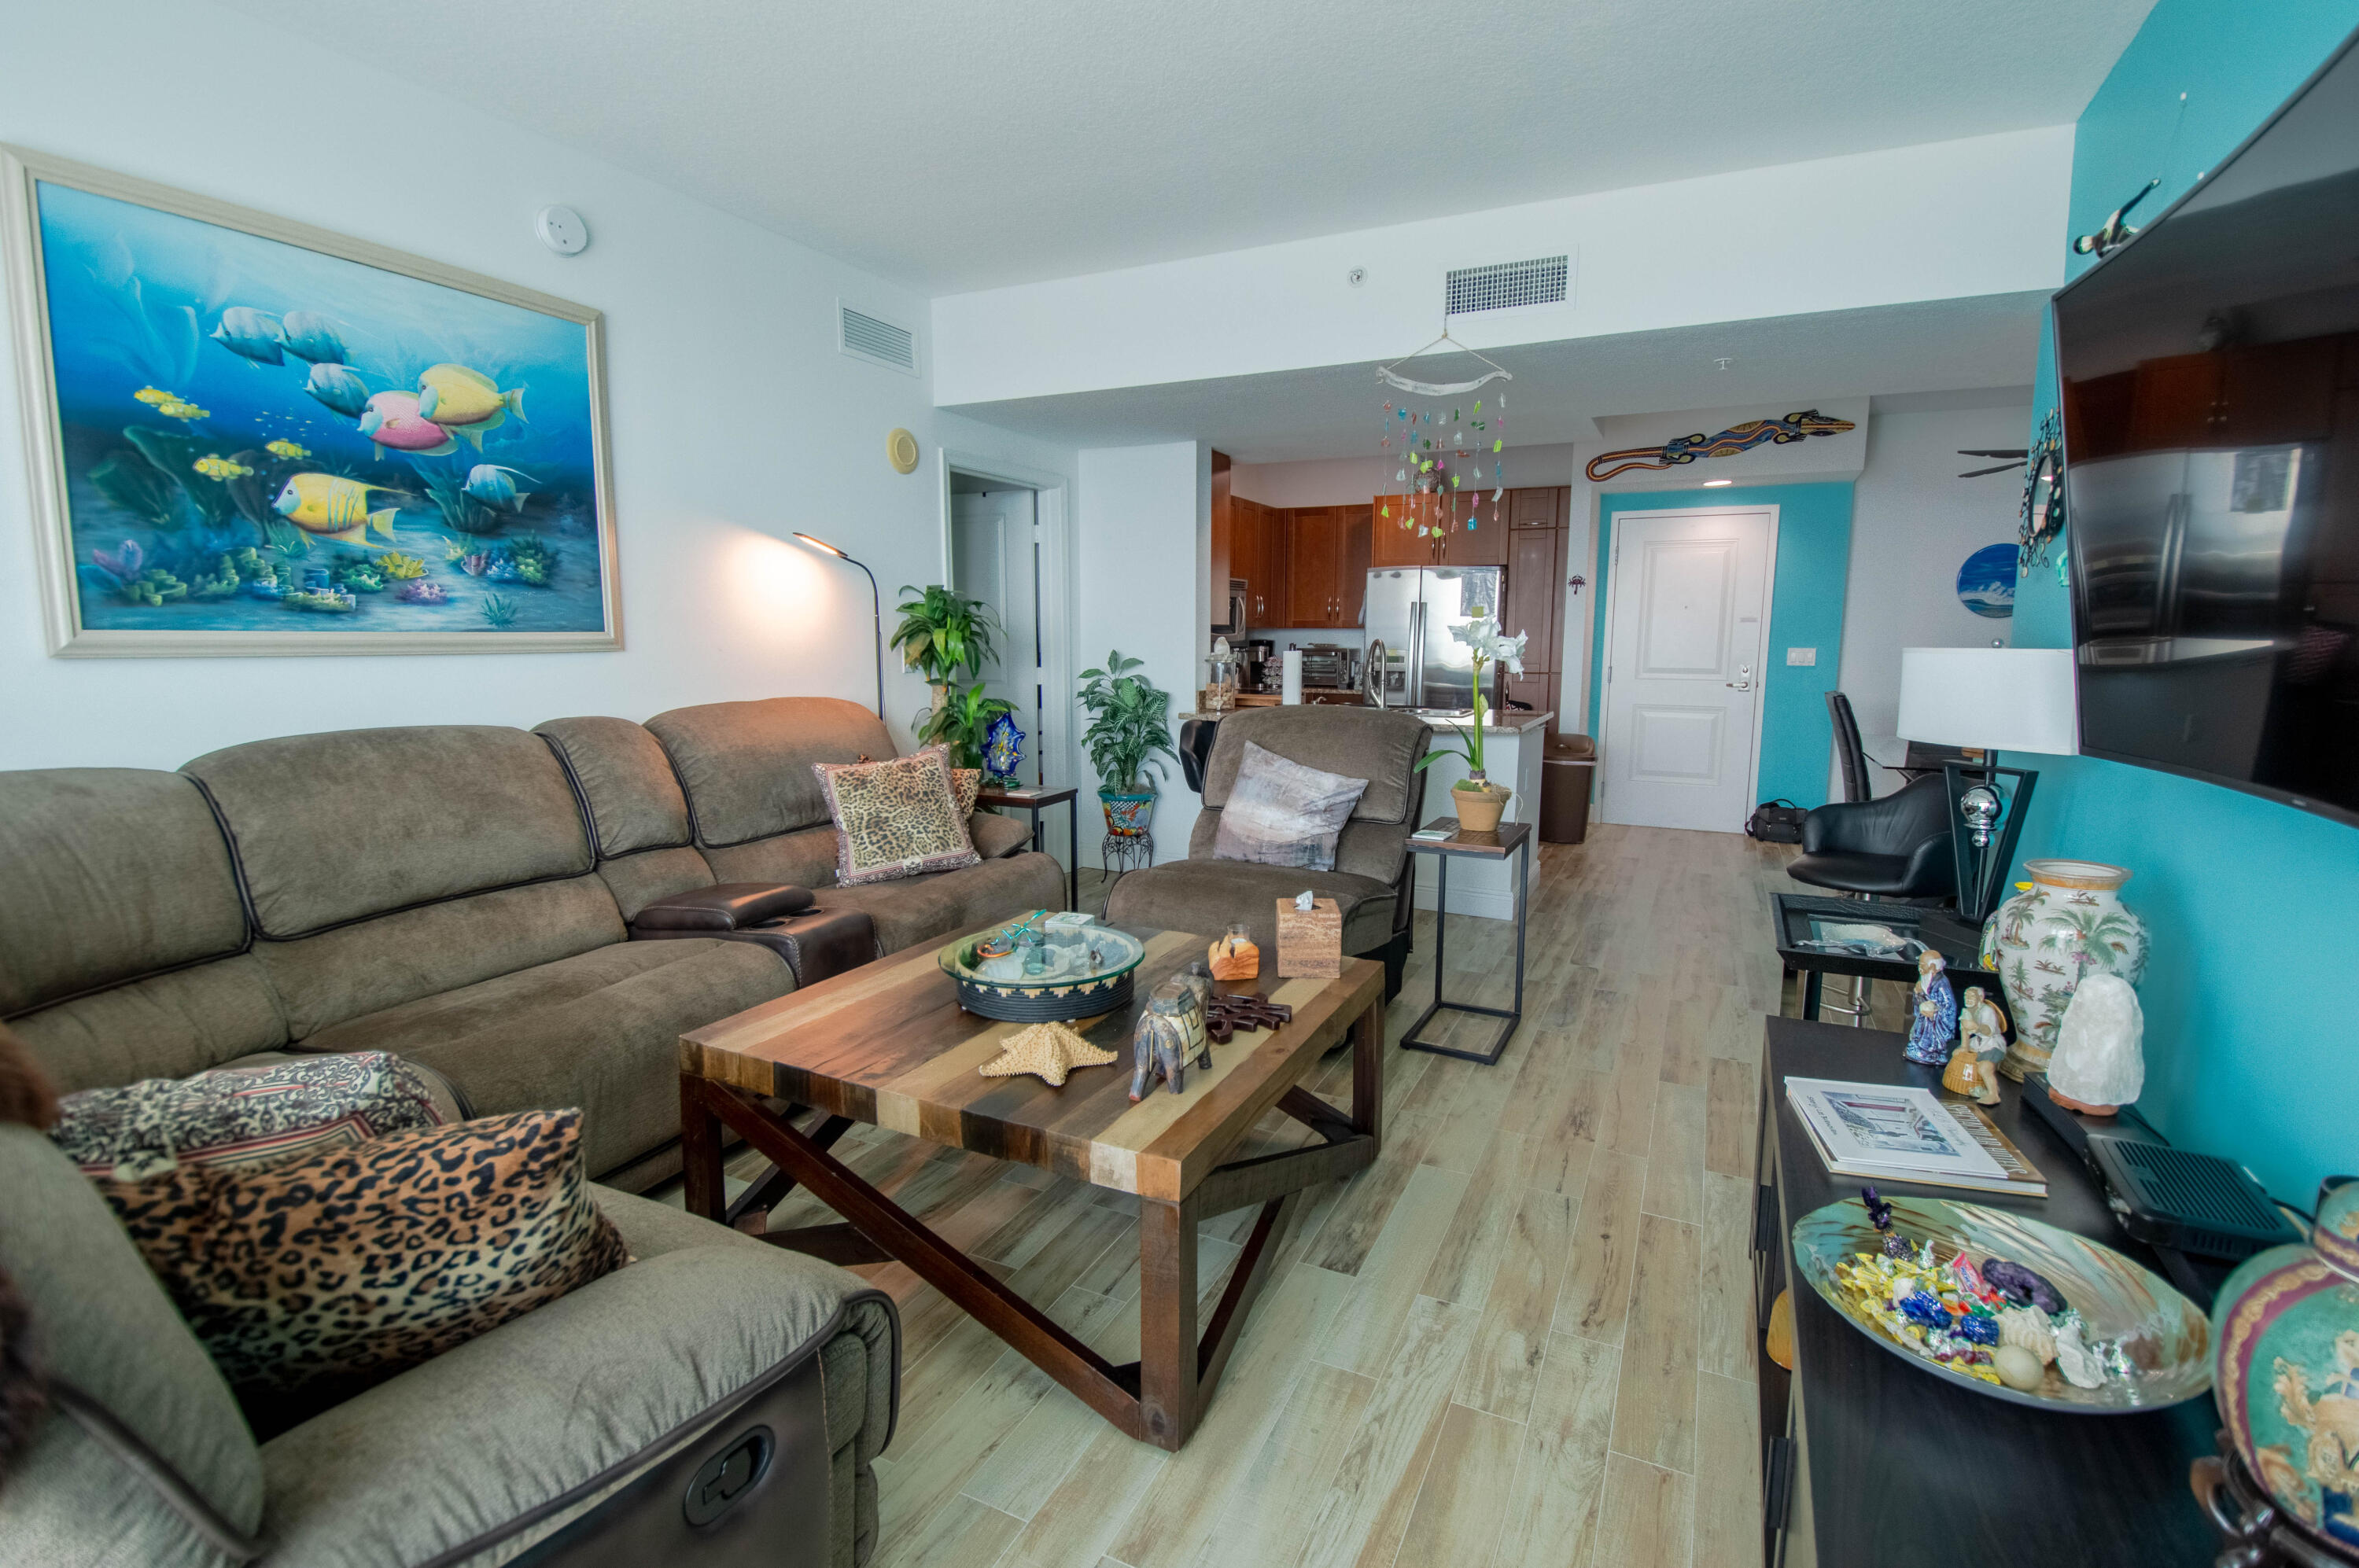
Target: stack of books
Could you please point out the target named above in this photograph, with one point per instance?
(1885, 1133)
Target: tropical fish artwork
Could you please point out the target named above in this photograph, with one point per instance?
(1681, 450)
(308, 335)
(340, 388)
(333, 507)
(267, 448)
(490, 483)
(466, 402)
(255, 334)
(393, 420)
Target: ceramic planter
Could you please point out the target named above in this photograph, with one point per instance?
(2068, 923)
(1479, 810)
(1126, 815)
(2285, 1339)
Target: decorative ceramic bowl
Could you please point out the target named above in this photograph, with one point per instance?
(2165, 1338)
(1087, 971)
(2288, 1328)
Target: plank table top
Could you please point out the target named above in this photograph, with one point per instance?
(887, 1043)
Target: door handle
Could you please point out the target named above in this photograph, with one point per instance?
(1744, 681)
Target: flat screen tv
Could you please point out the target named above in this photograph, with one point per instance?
(2210, 372)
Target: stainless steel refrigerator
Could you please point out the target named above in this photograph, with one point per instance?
(1410, 610)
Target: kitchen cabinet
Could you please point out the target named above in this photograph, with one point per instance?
(1392, 545)
(1257, 554)
(1535, 595)
(1328, 555)
(1351, 588)
(1223, 541)
(1535, 687)
(1485, 545)
(1542, 507)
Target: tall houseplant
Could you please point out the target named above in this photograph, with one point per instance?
(1479, 802)
(944, 634)
(1130, 721)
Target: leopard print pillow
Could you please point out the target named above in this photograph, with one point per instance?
(894, 818)
(966, 784)
(311, 1280)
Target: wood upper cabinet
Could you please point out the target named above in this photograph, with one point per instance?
(1314, 561)
(1257, 554)
(1534, 594)
(1483, 546)
(1351, 582)
(1393, 544)
(1224, 539)
(1543, 507)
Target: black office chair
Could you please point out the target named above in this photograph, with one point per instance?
(1897, 847)
(1847, 747)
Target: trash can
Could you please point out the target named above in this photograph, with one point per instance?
(1568, 770)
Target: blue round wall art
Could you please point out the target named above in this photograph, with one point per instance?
(1986, 582)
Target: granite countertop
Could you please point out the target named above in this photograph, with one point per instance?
(1513, 724)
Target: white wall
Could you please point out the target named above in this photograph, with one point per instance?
(1913, 524)
(1941, 221)
(1141, 587)
(734, 421)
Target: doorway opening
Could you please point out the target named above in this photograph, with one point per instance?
(1686, 624)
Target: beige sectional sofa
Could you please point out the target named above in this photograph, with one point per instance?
(461, 895)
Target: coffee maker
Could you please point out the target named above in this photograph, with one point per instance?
(1261, 665)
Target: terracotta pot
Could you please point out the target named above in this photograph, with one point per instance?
(1479, 810)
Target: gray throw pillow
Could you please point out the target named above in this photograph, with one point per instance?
(1283, 814)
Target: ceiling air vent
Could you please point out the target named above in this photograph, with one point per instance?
(1504, 285)
(865, 337)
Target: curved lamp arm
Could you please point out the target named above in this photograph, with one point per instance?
(876, 604)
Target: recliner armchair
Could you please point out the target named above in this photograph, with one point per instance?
(1371, 881)
(1895, 847)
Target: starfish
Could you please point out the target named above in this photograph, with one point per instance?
(1047, 1050)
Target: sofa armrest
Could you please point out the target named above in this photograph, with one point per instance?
(727, 906)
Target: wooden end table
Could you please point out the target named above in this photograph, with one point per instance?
(1510, 839)
(887, 1043)
(1032, 802)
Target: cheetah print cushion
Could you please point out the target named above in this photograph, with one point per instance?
(311, 1280)
(243, 1115)
(966, 784)
(894, 818)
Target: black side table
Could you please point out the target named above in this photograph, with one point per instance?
(1959, 944)
(1512, 838)
(1032, 802)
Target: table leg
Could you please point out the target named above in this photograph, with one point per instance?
(1440, 918)
(1368, 1071)
(1523, 896)
(1811, 979)
(700, 1150)
(1167, 1390)
(1073, 854)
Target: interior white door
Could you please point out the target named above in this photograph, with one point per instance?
(994, 557)
(1687, 603)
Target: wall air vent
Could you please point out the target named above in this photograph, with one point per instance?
(1504, 285)
(865, 337)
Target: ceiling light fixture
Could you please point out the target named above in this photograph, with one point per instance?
(1716, 483)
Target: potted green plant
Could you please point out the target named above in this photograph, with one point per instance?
(1479, 802)
(1129, 723)
(942, 635)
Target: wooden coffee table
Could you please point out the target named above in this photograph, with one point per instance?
(887, 1043)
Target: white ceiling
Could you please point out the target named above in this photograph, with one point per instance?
(1936, 354)
(951, 145)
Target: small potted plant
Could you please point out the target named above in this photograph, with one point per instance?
(1129, 723)
(1479, 802)
(944, 635)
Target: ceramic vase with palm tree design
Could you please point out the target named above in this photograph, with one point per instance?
(2066, 924)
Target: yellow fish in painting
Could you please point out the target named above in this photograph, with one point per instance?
(334, 508)
(176, 409)
(156, 396)
(212, 465)
(466, 402)
(286, 449)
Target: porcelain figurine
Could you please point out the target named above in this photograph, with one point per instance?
(1936, 1008)
(2099, 1065)
(1982, 1046)
(1161, 1044)
(2284, 1369)
(2065, 925)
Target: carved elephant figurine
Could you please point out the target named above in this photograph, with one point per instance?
(1169, 1032)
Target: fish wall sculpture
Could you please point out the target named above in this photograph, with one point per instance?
(1682, 451)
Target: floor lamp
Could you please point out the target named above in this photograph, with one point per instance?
(1989, 701)
(876, 601)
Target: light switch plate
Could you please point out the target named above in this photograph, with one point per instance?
(1801, 655)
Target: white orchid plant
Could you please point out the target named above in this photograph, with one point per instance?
(1489, 644)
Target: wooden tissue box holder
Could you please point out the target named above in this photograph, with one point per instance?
(1309, 941)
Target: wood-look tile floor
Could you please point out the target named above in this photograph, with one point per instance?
(1521, 1339)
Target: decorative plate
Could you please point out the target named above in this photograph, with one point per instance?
(1086, 970)
(2166, 1340)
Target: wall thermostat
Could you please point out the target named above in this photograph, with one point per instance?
(563, 230)
(901, 451)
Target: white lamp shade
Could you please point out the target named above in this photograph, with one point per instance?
(1994, 699)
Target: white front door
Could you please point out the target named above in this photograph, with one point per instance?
(994, 557)
(1687, 604)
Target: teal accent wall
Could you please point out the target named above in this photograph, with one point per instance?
(2254, 906)
(1806, 610)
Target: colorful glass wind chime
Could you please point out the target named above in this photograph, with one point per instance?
(1444, 452)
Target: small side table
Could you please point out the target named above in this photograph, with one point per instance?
(1800, 917)
(1032, 802)
(1512, 838)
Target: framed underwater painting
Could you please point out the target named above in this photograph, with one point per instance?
(251, 437)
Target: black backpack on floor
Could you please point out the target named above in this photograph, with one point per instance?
(1776, 822)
